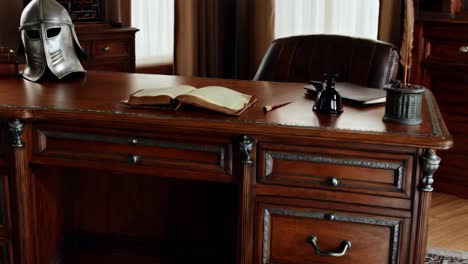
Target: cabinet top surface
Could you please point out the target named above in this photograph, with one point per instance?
(97, 98)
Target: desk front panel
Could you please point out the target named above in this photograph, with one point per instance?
(202, 157)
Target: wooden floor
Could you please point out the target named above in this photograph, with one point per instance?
(448, 223)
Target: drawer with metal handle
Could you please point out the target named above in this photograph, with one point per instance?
(111, 48)
(137, 151)
(308, 235)
(447, 50)
(338, 170)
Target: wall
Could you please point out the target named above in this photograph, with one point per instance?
(10, 13)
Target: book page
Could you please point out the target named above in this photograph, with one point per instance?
(161, 96)
(221, 96)
(172, 92)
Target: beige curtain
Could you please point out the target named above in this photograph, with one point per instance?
(224, 39)
(390, 21)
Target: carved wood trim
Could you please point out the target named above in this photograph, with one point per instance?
(16, 131)
(22, 192)
(246, 148)
(429, 164)
(436, 129)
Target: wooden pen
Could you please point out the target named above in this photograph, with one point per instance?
(268, 108)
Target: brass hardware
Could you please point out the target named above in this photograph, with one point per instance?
(134, 159)
(340, 252)
(464, 49)
(330, 217)
(134, 141)
(107, 49)
(334, 182)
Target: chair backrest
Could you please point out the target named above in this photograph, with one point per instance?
(364, 62)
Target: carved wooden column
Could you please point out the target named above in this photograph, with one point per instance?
(429, 164)
(20, 135)
(246, 219)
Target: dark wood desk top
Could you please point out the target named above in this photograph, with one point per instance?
(97, 98)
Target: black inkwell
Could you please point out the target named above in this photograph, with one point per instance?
(328, 99)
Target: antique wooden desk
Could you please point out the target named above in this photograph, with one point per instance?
(87, 180)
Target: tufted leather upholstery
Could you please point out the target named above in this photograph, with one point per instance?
(302, 58)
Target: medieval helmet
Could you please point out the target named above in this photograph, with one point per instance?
(49, 40)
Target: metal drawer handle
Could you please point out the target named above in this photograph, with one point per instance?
(134, 159)
(340, 252)
(334, 182)
(134, 141)
(107, 49)
(464, 49)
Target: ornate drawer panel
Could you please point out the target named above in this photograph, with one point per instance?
(291, 235)
(151, 150)
(343, 170)
(111, 48)
(447, 50)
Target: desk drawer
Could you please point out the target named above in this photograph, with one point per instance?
(287, 235)
(448, 50)
(335, 169)
(111, 48)
(154, 150)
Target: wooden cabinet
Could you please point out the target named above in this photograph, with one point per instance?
(107, 48)
(441, 59)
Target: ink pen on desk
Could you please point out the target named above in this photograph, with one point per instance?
(268, 108)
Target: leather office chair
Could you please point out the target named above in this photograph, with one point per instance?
(302, 58)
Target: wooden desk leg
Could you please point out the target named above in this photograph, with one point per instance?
(22, 192)
(246, 223)
(429, 164)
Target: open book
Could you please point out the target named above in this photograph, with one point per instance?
(356, 94)
(216, 98)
